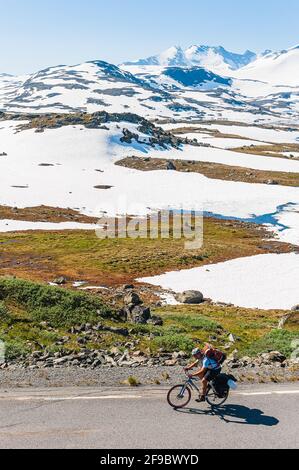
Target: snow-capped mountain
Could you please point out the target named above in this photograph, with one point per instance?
(168, 86)
(279, 68)
(100, 86)
(174, 56)
(89, 87)
(216, 59)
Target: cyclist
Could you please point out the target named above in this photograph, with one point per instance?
(210, 369)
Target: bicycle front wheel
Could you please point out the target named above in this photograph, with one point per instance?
(179, 396)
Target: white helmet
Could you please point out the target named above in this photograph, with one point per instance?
(196, 351)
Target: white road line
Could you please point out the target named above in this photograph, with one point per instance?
(282, 392)
(77, 398)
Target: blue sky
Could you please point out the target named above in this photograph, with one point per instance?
(39, 33)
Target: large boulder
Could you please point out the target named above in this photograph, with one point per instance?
(191, 297)
(295, 308)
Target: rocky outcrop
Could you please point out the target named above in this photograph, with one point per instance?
(98, 120)
(135, 312)
(128, 137)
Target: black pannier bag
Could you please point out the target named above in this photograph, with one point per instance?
(221, 384)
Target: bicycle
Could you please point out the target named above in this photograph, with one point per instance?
(179, 396)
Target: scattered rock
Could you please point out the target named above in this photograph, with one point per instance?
(274, 356)
(139, 315)
(171, 166)
(190, 297)
(117, 331)
(60, 281)
(171, 362)
(294, 314)
(132, 299)
(232, 338)
(272, 182)
(103, 186)
(128, 287)
(155, 320)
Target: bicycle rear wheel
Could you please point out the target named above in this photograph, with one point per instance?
(179, 396)
(214, 399)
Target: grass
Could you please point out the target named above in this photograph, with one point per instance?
(172, 342)
(80, 255)
(35, 316)
(214, 170)
(269, 150)
(255, 330)
(193, 323)
(132, 381)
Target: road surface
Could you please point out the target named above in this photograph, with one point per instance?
(254, 417)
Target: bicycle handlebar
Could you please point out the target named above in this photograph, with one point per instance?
(187, 373)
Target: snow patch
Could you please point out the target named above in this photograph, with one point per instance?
(264, 281)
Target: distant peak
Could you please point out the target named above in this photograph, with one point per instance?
(214, 58)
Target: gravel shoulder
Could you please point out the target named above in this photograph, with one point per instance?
(115, 376)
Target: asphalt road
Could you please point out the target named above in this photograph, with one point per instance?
(254, 417)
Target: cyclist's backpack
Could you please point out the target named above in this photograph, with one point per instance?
(216, 355)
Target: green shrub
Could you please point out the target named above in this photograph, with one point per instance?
(276, 340)
(14, 349)
(173, 330)
(173, 342)
(4, 312)
(57, 306)
(133, 381)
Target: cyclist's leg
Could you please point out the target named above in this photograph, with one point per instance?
(205, 384)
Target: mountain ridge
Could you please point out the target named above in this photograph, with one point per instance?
(215, 58)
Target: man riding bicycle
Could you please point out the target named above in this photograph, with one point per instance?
(212, 360)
